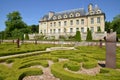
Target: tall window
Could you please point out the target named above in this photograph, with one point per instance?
(92, 29)
(82, 21)
(65, 23)
(71, 22)
(44, 31)
(59, 30)
(98, 19)
(59, 23)
(54, 30)
(54, 23)
(92, 20)
(51, 24)
(77, 22)
(82, 29)
(50, 30)
(77, 29)
(71, 30)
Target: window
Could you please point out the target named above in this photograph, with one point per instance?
(71, 30)
(65, 16)
(64, 30)
(65, 23)
(54, 30)
(71, 15)
(71, 22)
(59, 23)
(51, 24)
(82, 29)
(54, 17)
(44, 31)
(82, 21)
(92, 20)
(54, 23)
(77, 14)
(98, 19)
(50, 30)
(92, 29)
(77, 29)
(59, 30)
(77, 22)
(59, 17)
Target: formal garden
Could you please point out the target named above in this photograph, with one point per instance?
(81, 63)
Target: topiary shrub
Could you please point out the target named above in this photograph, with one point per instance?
(9, 61)
(72, 65)
(78, 36)
(89, 35)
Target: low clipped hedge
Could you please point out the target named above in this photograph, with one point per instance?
(72, 65)
(118, 65)
(42, 62)
(89, 64)
(30, 72)
(104, 70)
(58, 70)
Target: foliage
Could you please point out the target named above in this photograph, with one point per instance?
(90, 64)
(34, 28)
(89, 35)
(99, 29)
(78, 36)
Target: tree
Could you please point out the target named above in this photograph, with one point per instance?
(108, 26)
(89, 35)
(14, 21)
(116, 25)
(78, 36)
(34, 28)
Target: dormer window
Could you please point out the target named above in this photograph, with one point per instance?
(65, 16)
(54, 17)
(98, 11)
(59, 17)
(45, 18)
(91, 12)
(71, 15)
(77, 14)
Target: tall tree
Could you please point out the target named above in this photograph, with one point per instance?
(34, 28)
(116, 24)
(14, 21)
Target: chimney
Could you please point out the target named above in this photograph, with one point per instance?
(51, 14)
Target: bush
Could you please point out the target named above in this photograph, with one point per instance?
(9, 61)
(26, 37)
(72, 65)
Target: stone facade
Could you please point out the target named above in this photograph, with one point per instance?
(68, 22)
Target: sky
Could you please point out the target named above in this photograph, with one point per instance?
(32, 10)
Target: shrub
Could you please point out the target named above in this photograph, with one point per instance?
(72, 65)
(26, 37)
(9, 61)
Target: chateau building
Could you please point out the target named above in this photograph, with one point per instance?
(66, 23)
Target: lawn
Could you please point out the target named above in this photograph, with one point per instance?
(87, 55)
(11, 49)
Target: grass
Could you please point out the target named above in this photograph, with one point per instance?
(11, 49)
(87, 55)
